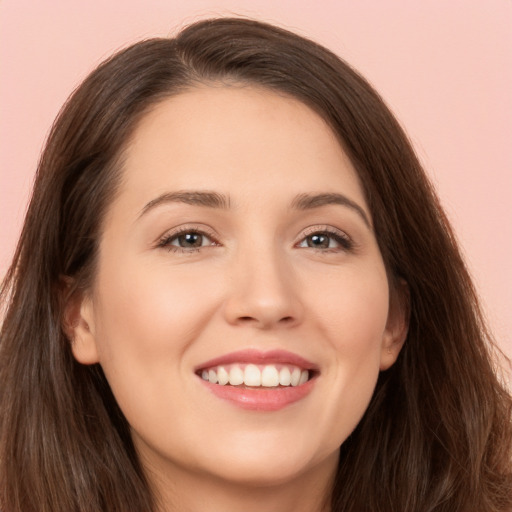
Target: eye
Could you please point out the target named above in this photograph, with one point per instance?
(326, 239)
(186, 240)
(189, 240)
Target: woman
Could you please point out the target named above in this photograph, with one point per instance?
(235, 288)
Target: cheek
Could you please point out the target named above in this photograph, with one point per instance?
(146, 319)
(351, 307)
(146, 323)
(147, 309)
(357, 331)
(351, 319)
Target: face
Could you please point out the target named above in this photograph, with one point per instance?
(240, 309)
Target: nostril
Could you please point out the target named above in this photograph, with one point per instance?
(250, 319)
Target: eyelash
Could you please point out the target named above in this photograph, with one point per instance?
(166, 241)
(345, 243)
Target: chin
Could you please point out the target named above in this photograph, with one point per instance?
(262, 465)
(260, 472)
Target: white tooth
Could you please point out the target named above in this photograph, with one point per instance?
(212, 376)
(252, 375)
(222, 375)
(304, 376)
(204, 375)
(269, 377)
(236, 375)
(285, 376)
(295, 377)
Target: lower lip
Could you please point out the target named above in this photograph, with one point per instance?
(261, 399)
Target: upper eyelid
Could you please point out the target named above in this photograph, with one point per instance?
(188, 228)
(324, 229)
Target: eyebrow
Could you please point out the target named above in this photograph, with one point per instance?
(195, 198)
(311, 201)
(215, 200)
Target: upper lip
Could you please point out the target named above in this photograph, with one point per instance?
(253, 356)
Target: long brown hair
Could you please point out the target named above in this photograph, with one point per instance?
(437, 435)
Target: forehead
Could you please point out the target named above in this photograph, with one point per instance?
(235, 139)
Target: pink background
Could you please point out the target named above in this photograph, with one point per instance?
(444, 67)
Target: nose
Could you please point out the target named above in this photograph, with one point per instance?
(263, 291)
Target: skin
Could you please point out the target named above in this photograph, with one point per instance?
(155, 312)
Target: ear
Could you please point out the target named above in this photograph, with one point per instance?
(397, 324)
(78, 324)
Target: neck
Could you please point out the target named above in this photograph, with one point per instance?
(195, 492)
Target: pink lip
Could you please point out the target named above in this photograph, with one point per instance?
(261, 399)
(252, 356)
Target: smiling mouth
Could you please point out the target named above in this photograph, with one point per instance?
(256, 376)
(257, 380)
